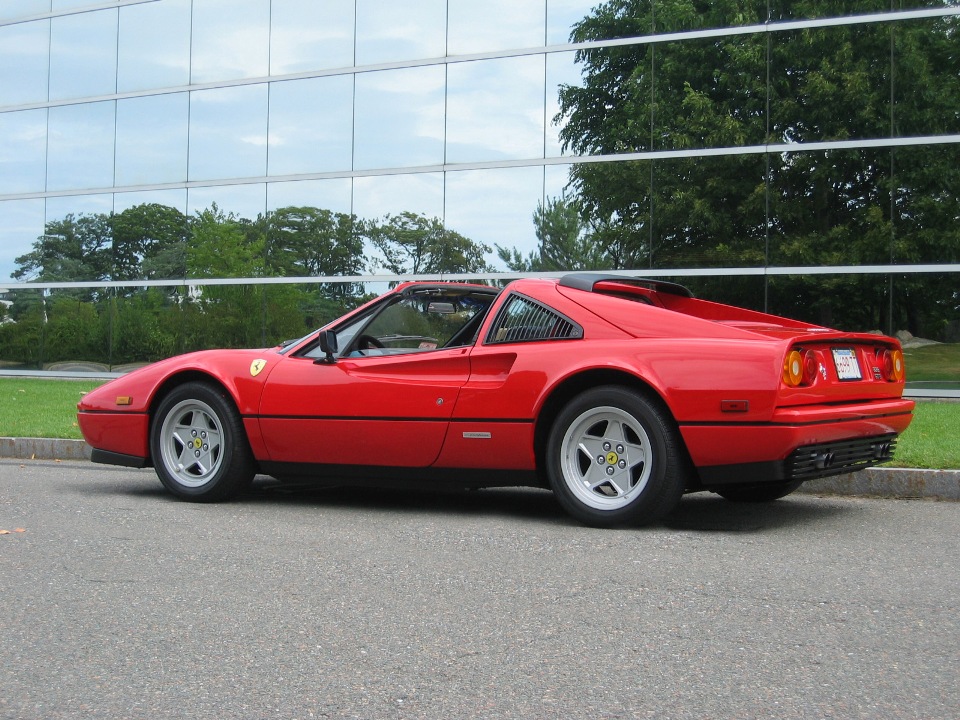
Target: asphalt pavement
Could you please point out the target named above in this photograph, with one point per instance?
(122, 602)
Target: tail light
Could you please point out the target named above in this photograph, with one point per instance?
(891, 364)
(800, 368)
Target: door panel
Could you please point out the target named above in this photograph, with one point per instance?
(377, 410)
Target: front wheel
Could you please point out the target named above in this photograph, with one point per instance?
(200, 451)
(614, 458)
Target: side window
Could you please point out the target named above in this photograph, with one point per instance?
(523, 319)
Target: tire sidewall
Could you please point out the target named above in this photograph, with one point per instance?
(664, 485)
(231, 473)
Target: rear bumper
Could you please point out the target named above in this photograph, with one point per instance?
(806, 463)
(800, 443)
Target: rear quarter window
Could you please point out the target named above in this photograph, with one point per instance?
(524, 320)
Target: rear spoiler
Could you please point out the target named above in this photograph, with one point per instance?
(588, 281)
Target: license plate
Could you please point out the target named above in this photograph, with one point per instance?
(845, 360)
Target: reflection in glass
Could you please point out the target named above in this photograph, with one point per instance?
(793, 11)
(311, 125)
(80, 146)
(825, 300)
(83, 55)
(70, 4)
(374, 198)
(421, 194)
(230, 39)
(698, 107)
(23, 152)
(154, 45)
(926, 91)
(399, 118)
(832, 208)
(21, 223)
(495, 109)
(243, 201)
(334, 195)
(830, 84)
(152, 139)
(476, 27)
(561, 17)
(387, 32)
(927, 205)
(556, 181)
(59, 208)
(694, 212)
(149, 234)
(495, 207)
(176, 199)
(24, 59)
(562, 71)
(228, 132)
(310, 35)
(12, 9)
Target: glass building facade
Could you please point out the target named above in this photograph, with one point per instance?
(368, 109)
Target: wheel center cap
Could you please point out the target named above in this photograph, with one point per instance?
(612, 458)
(197, 443)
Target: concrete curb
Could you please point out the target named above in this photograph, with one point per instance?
(901, 483)
(872, 482)
(43, 449)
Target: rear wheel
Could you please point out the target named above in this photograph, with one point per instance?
(614, 458)
(200, 451)
(766, 492)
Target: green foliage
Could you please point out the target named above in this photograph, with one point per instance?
(129, 325)
(417, 245)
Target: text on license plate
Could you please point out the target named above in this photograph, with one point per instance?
(845, 360)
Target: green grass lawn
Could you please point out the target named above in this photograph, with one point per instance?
(38, 407)
(933, 362)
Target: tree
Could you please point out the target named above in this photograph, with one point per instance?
(563, 242)
(149, 242)
(415, 244)
(72, 249)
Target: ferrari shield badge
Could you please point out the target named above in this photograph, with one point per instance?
(256, 366)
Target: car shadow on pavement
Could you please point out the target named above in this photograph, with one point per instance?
(521, 503)
(706, 512)
(698, 512)
(703, 512)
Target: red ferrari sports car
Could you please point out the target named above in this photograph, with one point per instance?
(618, 393)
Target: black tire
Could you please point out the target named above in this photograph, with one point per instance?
(199, 447)
(614, 458)
(758, 493)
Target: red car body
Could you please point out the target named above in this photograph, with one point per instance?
(747, 404)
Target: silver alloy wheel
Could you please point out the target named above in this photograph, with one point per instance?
(606, 458)
(191, 443)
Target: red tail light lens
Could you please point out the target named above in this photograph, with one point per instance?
(891, 365)
(799, 368)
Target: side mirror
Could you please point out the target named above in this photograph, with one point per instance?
(328, 344)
